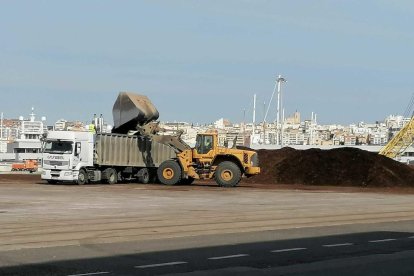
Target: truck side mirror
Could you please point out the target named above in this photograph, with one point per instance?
(77, 148)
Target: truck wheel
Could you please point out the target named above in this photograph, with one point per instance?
(111, 176)
(143, 176)
(227, 174)
(169, 172)
(82, 177)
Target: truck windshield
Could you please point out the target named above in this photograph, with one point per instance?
(58, 147)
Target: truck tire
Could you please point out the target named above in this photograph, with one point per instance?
(111, 176)
(169, 172)
(143, 176)
(227, 174)
(82, 177)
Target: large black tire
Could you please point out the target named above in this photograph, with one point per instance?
(227, 174)
(143, 176)
(82, 177)
(111, 176)
(169, 172)
(187, 181)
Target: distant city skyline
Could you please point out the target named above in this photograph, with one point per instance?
(109, 120)
(198, 61)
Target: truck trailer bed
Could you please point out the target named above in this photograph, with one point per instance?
(130, 151)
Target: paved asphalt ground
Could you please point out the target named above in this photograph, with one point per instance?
(202, 230)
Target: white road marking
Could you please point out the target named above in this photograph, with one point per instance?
(338, 244)
(412, 237)
(384, 240)
(288, 250)
(92, 273)
(229, 257)
(159, 265)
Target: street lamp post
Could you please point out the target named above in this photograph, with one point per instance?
(279, 105)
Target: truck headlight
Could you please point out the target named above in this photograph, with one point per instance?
(68, 173)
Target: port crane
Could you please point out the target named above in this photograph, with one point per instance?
(400, 142)
(403, 139)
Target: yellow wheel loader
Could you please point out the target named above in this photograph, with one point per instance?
(207, 160)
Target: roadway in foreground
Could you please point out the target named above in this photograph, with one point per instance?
(202, 230)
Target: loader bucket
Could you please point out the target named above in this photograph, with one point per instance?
(132, 110)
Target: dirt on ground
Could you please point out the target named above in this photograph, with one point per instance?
(342, 166)
(19, 178)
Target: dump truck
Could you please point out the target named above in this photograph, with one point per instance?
(138, 149)
(27, 165)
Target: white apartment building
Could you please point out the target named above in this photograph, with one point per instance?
(60, 125)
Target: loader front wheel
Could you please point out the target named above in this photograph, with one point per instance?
(169, 172)
(227, 174)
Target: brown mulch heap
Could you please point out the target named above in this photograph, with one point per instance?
(342, 166)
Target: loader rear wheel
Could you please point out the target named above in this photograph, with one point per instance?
(82, 177)
(169, 172)
(227, 174)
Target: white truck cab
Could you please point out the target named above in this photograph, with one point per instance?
(65, 153)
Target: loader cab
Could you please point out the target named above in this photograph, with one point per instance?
(205, 143)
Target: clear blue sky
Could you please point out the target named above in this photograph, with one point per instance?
(198, 61)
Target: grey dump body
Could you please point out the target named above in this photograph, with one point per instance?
(132, 110)
(130, 151)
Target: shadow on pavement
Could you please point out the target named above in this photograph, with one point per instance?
(259, 258)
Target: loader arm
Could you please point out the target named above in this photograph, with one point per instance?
(171, 140)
